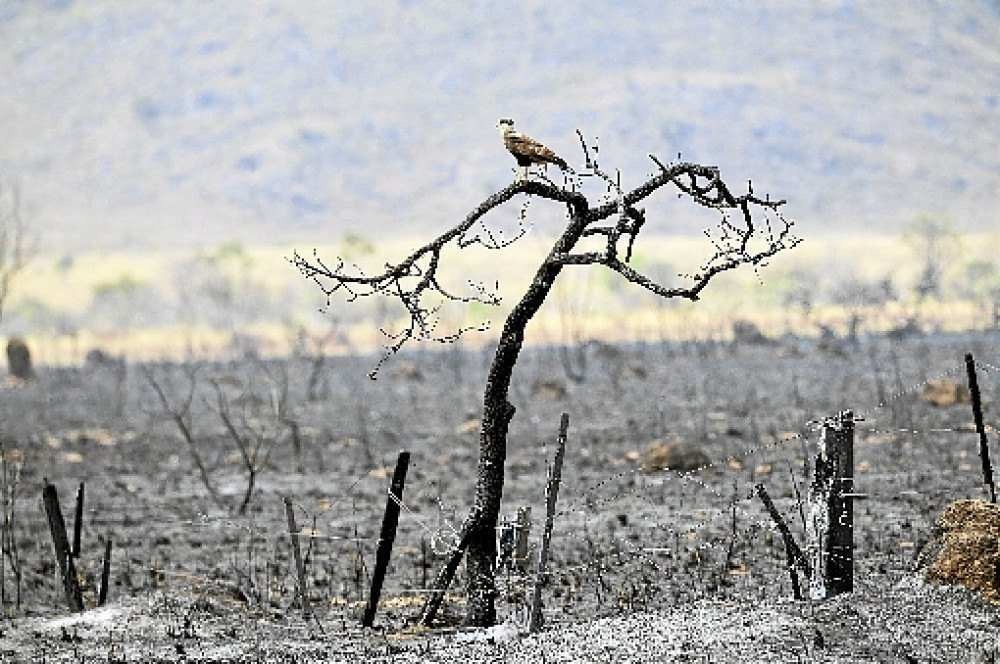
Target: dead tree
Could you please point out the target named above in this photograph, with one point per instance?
(252, 423)
(751, 230)
(182, 419)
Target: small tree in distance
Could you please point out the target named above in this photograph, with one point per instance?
(15, 250)
(619, 221)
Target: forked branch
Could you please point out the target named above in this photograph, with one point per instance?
(181, 417)
(416, 276)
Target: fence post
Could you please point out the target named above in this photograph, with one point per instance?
(300, 569)
(977, 414)
(831, 510)
(522, 530)
(77, 521)
(793, 553)
(102, 595)
(535, 618)
(57, 528)
(390, 519)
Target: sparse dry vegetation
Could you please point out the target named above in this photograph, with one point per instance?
(630, 545)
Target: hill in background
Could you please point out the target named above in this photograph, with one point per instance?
(140, 125)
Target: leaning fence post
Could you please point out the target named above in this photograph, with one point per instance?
(522, 531)
(977, 414)
(793, 554)
(102, 595)
(831, 510)
(388, 535)
(57, 528)
(551, 493)
(300, 569)
(78, 521)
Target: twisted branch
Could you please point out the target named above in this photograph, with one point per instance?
(730, 239)
(389, 282)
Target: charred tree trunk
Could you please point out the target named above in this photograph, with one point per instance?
(478, 531)
(497, 414)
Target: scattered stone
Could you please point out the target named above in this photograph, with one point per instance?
(408, 371)
(548, 389)
(677, 455)
(19, 359)
(638, 371)
(381, 473)
(943, 392)
(97, 357)
(746, 332)
(471, 425)
(964, 548)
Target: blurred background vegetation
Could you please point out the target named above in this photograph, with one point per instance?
(233, 299)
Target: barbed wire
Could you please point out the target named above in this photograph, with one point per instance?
(899, 394)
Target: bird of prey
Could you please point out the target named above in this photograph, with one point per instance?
(526, 150)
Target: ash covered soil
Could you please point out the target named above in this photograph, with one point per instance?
(644, 566)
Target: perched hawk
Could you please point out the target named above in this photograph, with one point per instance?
(526, 150)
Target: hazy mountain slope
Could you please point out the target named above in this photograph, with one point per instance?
(187, 122)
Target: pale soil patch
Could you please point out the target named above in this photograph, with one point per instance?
(906, 621)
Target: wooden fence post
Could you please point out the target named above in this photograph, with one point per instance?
(57, 528)
(102, 595)
(78, 521)
(840, 546)
(793, 554)
(522, 531)
(535, 619)
(386, 538)
(977, 414)
(300, 569)
(831, 510)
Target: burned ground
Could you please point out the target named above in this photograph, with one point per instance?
(634, 552)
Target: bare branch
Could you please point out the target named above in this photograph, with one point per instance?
(389, 282)
(179, 417)
(702, 183)
(705, 186)
(223, 413)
